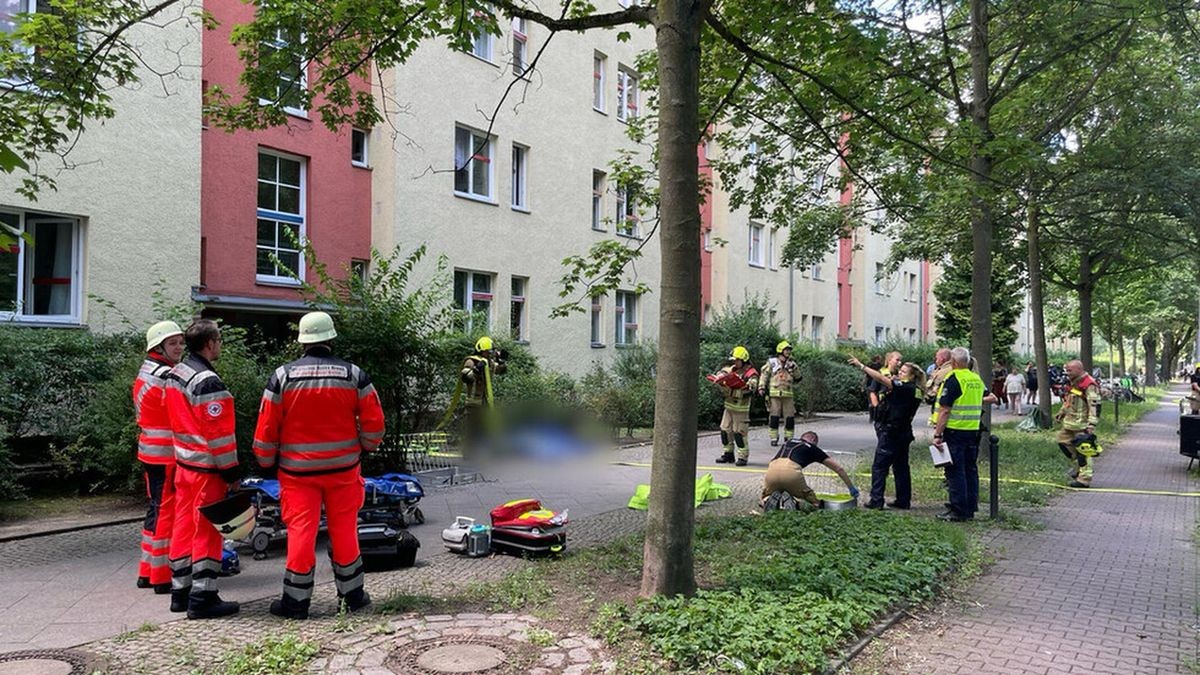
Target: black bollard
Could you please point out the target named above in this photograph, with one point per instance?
(994, 474)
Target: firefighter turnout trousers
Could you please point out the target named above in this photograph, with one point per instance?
(195, 543)
(301, 498)
(160, 520)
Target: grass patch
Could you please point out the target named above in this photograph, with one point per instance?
(131, 634)
(57, 506)
(281, 655)
(402, 603)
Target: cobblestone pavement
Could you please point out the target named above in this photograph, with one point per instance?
(1111, 585)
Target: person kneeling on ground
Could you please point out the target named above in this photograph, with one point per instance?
(785, 472)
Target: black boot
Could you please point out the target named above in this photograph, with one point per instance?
(726, 458)
(355, 600)
(741, 461)
(143, 582)
(162, 589)
(179, 599)
(289, 608)
(209, 605)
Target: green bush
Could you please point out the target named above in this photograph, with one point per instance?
(790, 588)
(623, 397)
(830, 384)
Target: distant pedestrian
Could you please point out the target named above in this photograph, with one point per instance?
(1031, 383)
(1014, 388)
(942, 368)
(1194, 385)
(894, 421)
(960, 407)
(999, 375)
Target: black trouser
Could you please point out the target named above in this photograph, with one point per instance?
(891, 452)
(962, 477)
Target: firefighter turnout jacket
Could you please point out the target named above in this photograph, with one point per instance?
(779, 377)
(202, 417)
(738, 400)
(476, 377)
(155, 441)
(318, 415)
(1080, 404)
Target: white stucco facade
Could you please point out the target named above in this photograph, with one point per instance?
(130, 200)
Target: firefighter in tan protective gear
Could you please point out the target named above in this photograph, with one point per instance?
(1078, 417)
(777, 381)
(475, 378)
(736, 384)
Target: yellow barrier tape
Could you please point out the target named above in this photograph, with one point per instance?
(982, 479)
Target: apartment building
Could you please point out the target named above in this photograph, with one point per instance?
(507, 187)
(125, 217)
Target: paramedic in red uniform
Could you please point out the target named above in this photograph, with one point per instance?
(202, 421)
(318, 415)
(156, 452)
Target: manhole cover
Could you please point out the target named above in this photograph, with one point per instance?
(46, 662)
(461, 654)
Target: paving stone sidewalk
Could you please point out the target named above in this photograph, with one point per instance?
(1111, 585)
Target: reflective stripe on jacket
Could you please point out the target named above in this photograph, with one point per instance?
(318, 415)
(778, 378)
(1080, 403)
(967, 409)
(155, 441)
(202, 417)
(738, 400)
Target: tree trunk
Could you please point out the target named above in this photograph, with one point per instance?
(1166, 363)
(1086, 286)
(1121, 349)
(1036, 306)
(981, 209)
(667, 565)
(1149, 345)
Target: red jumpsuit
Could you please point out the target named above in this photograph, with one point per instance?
(156, 452)
(202, 422)
(318, 414)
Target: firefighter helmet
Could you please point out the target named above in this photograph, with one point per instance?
(161, 331)
(782, 346)
(740, 353)
(1086, 444)
(234, 517)
(483, 344)
(316, 327)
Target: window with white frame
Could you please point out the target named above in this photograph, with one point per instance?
(358, 147)
(627, 214)
(755, 246)
(879, 335)
(818, 325)
(877, 282)
(40, 273)
(518, 315)
(815, 270)
(911, 291)
(597, 338)
(483, 42)
(804, 325)
(473, 295)
(752, 157)
(358, 269)
(626, 4)
(293, 78)
(11, 9)
(281, 227)
(599, 183)
(599, 65)
(520, 47)
(708, 239)
(472, 164)
(520, 177)
(627, 94)
(626, 315)
(772, 248)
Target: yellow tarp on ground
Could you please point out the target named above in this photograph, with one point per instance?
(706, 491)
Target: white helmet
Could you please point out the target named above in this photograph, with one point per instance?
(316, 327)
(161, 331)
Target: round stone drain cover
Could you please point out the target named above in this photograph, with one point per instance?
(46, 662)
(461, 654)
(461, 658)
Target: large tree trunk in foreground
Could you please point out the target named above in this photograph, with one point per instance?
(667, 566)
(981, 209)
(1037, 309)
(1149, 343)
(1086, 286)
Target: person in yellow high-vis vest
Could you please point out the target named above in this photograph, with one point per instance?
(735, 382)
(777, 381)
(1078, 415)
(960, 406)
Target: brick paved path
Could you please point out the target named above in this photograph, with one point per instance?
(1111, 585)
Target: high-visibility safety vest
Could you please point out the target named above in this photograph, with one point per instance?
(967, 409)
(202, 417)
(778, 377)
(318, 415)
(738, 400)
(156, 443)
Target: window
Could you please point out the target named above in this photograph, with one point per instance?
(879, 335)
(41, 281)
(627, 94)
(293, 78)
(598, 183)
(9, 9)
(518, 316)
(804, 325)
(708, 240)
(599, 65)
(911, 291)
(520, 47)
(756, 245)
(598, 321)
(482, 44)
(772, 250)
(818, 324)
(627, 218)
(752, 156)
(626, 318)
(281, 187)
(358, 269)
(358, 147)
(816, 271)
(472, 164)
(877, 283)
(627, 3)
(473, 294)
(520, 176)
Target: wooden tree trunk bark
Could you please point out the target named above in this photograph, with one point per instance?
(1121, 349)
(1037, 307)
(981, 209)
(667, 566)
(1149, 345)
(1166, 362)
(1086, 286)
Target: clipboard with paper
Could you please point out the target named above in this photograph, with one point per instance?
(940, 454)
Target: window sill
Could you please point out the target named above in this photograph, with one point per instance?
(625, 345)
(598, 345)
(521, 342)
(278, 282)
(599, 229)
(476, 198)
(9, 319)
(360, 165)
(599, 111)
(629, 236)
(757, 265)
(521, 209)
(480, 58)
